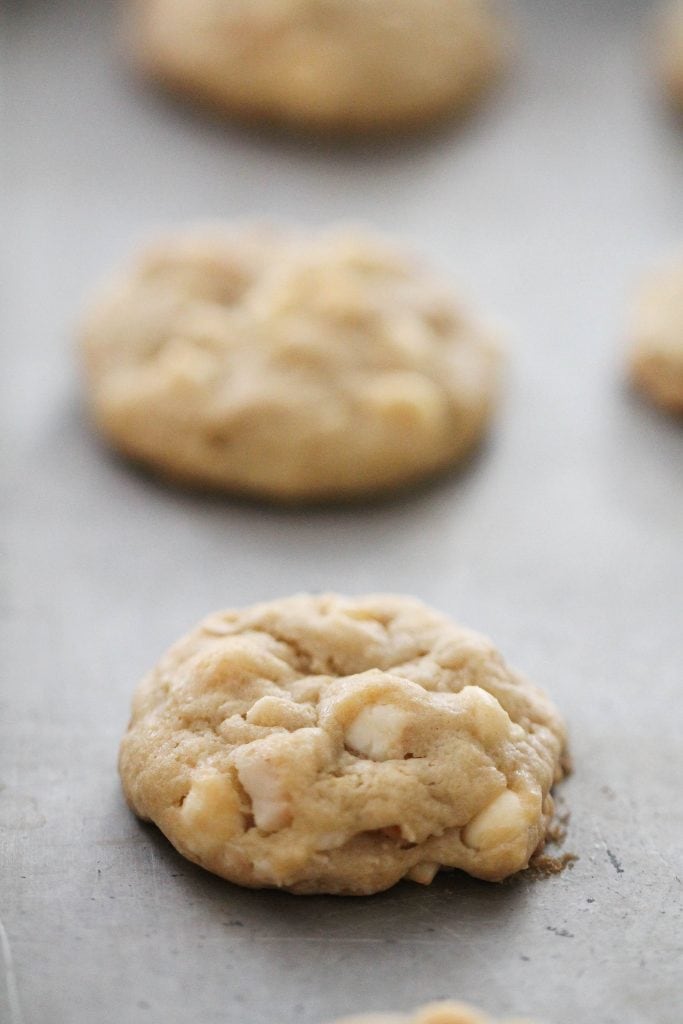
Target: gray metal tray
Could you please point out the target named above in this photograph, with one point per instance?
(562, 541)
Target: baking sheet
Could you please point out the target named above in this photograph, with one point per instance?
(562, 540)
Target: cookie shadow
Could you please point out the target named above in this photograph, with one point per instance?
(435, 486)
(453, 904)
(340, 145)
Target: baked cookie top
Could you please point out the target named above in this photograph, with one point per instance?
(434, 1013)
(657, 350)
(337, 745)
(339, 65)
(287, 366)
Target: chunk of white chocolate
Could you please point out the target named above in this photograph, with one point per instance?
(405, 398)
(211, 811)
(270, 803)
(378, 732)
(501, 821)
(423, 873)
(489, 721)
(331, 840)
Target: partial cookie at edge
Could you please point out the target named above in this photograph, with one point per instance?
(656, 356)
(670, 46)
(434, 1013)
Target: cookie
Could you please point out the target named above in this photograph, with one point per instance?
(656, 359)
(322, 65)
(289, 367)
(671, 47)
(324, 744)
(434, 1013)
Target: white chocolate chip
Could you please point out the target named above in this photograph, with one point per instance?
(378, 732)
(405, 398)
(331, 840)
(269, 802)
(211, 811)
(423, 873)
(489, 721)
(501, 821)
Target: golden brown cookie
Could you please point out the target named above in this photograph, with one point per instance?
(289, 367)
(339, 65)
(434, 1013)
(336, 745)
(656, 359)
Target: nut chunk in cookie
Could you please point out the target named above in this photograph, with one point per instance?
(288, 367)
(656, 356)
(324, 744)
(434, 1013)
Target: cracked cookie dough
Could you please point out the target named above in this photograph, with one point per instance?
(434, 1013)
(656, 360)
(289, 367)
(324, 744)
(671, 46)
(338, 65)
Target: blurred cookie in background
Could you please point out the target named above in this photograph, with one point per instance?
(671, 50)
(434, 1013)
(656, 359)
(344, 66)
(289, 366)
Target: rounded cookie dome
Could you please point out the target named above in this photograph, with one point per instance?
(337, 745)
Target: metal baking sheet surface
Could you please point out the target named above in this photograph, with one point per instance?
(562, 540)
